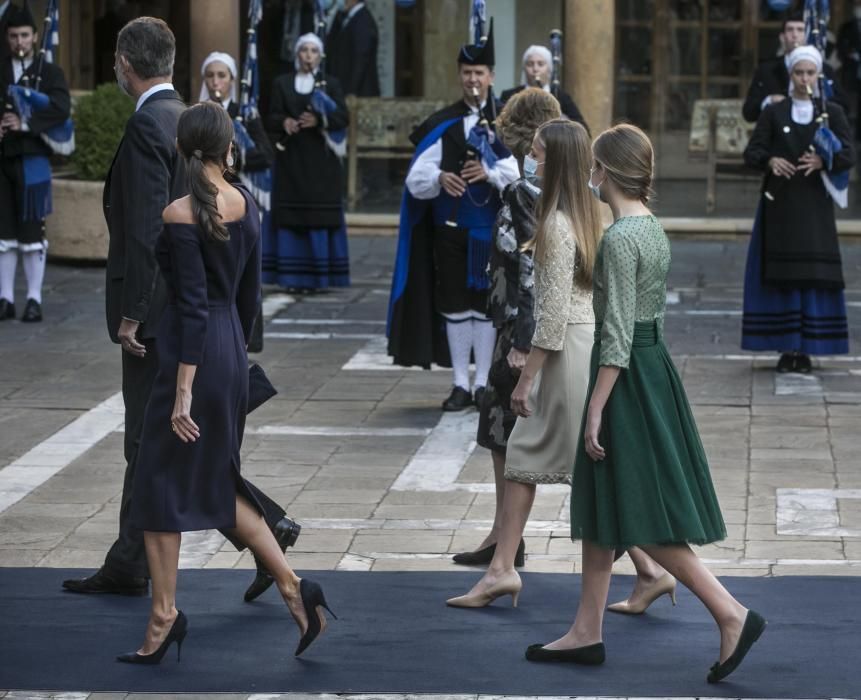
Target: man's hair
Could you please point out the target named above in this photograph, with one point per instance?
(149, 46)
(794, 15)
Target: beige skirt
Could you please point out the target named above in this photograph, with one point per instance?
(542, 447)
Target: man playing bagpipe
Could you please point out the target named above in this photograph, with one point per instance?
(36, 104)
(438, 305)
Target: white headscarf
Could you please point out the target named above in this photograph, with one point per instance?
(542, 51)
(804, 53)
(228, 61)
(309, 38)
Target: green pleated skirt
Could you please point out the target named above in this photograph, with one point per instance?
(653, 487)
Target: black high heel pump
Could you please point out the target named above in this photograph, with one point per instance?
(312, 598)
(177, 634)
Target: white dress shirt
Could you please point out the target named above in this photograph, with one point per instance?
(152, 91)
(423, 177)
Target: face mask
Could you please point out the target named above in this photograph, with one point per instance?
(530, 167)
(594, 189)
(857, 12)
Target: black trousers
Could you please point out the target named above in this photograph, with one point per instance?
(127, 555)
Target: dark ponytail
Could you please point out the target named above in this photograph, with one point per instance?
(204, 134)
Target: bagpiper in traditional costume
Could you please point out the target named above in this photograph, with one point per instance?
(438, 303)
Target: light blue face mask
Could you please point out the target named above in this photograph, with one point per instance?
(530, 168)
(595, 189)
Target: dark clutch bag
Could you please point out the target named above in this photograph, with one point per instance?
(260, 389)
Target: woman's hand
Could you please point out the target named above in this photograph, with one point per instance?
(291, 126)
(781, 167)
(180, 421)
(810, 162)
(308, 120)
(590, 434)
(520, 396)
(517, 358)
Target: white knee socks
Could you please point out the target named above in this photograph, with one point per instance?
(34, 270)
(483, 341)
(8, 264)
(459, 345)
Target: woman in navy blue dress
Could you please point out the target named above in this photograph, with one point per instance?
(187, 475)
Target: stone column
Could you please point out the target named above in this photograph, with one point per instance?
(589, 61)
(215, 26)
(445, 30)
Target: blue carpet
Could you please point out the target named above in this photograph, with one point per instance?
(396, 635)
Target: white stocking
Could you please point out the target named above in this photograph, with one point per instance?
(34, 270)
(8, 264)
(459, 344)
(483, 342)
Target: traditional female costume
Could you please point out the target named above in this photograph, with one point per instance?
(653, 486)
(310, 247)
(793, 286)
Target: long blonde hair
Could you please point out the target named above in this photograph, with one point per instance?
(567, 160)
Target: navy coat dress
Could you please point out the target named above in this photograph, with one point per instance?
(214, 291)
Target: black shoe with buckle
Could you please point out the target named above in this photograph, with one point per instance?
(286, 533)
(7, 309)
(32, 312)
(108, 582)
(786, 363)
(803, 364)
(457, 400)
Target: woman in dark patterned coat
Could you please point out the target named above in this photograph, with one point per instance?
(510, 300)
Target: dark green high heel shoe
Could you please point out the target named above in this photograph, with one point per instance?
(176, 634)
(754, 626)
(312, 599)
(591, 655)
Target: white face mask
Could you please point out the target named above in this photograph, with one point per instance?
(595, 189)
(530, 167)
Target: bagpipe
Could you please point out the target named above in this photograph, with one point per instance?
(258, 182)
(556, 70)
(320, 102)
(481, 143)
(26, 99)
(817, 14)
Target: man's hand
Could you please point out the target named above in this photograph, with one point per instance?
(473, 171)
(452, 184)
(781, 167)
(10, 122)
(309, 120)
(291, 126)
(810, 162)
(127, 332)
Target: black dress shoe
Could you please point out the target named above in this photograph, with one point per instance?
(32, 312)
(786, 363)
(484, 556)
(104, 582)
(286, 533)
(457, 400)
(754, 626)
(478, 396)
(7, 309)
(803, 364)
(177, 634)
(592, 655)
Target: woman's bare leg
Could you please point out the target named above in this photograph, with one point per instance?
(588, 623)
(253, 531)
(519, 498)
(499, 481)
(162, 553)
(648, 572)
(686, 566)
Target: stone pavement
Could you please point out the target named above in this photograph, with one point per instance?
(359, 452)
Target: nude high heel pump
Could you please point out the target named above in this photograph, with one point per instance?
(508, 585)
(664, 585)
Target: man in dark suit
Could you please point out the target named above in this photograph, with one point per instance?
(771, 80)
(351, 50)
(25, 171)
(146, 175)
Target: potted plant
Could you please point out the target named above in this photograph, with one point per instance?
(77, 229)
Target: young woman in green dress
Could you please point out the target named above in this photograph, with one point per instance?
(641, 477)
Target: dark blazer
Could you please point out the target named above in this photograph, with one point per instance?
(566, 104)
(351, 53)
(146, 175)
(19, 143)
(772, 78)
